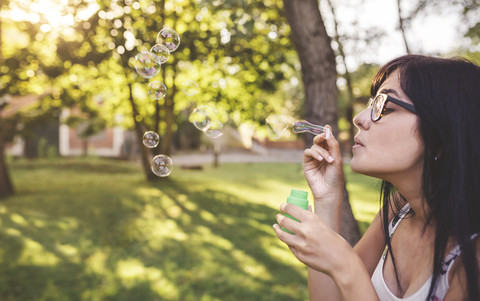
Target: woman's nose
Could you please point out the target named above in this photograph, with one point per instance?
(362, 119)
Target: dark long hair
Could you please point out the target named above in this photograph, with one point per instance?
(446, 96)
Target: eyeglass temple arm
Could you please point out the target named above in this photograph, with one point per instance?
(403, 104)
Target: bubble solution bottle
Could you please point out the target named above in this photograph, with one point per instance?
(298, 198)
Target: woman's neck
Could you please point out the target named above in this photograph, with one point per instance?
(411, 190)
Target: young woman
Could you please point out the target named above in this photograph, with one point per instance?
(420, 134)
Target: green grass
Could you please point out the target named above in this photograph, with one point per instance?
(93, 229)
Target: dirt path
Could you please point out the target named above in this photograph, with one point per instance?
(272, 155)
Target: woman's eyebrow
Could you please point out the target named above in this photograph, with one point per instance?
(391, 91)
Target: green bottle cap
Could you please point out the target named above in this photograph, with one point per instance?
(298, 198)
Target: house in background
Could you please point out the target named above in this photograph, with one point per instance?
(57, 138)
(110, 142)
(60, 139)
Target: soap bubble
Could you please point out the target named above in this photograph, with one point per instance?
(150, 139)
(214, 129)
(157, 89)
(202, 116)
(276, 126)
(147, 64)
(169, 38)
(162, 165)
(190, 87)
(161, 51)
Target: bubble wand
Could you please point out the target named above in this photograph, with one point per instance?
(303, 126)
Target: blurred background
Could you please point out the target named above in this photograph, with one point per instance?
(82, 214)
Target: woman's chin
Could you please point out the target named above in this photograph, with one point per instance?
(360, 168)
(354, 165)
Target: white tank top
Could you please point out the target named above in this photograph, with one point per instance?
(442, 285)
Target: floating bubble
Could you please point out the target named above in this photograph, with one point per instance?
(214, 129)
(151, 139)
(157, 89)
(276, 126)
(169, 38)
(161, 51)
(162, 165)
(202, 116)
(190, 87)
(303, 126)
(147, 64)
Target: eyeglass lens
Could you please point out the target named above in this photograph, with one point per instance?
(377, 107)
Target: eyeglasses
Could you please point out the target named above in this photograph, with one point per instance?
(379, 103)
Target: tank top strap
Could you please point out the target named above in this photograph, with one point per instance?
(443, 284)
(395, 221)
(450, 258)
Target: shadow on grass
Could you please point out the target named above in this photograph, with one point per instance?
(110, 236)
(247, 229)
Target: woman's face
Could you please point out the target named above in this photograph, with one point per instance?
(391, 146)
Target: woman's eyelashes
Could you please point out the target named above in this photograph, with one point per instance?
(387, 111)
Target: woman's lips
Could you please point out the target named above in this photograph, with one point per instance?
(357, 144)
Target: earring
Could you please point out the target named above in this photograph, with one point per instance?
(436, 158)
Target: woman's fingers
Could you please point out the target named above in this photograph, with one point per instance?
(288, 223)
(334, 147)
(284, 236)
(322, 153)
(311, 154)
(327, 141)
(294, 211)
(325, 147)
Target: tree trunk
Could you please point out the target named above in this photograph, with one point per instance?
(6, 187)
(169, 118)
(170, 104)
(85, 147)
(348, 79)
(139, 130)
(401, 26)
(319, 78)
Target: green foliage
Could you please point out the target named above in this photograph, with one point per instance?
(92, 229)
(238, 51)
(361, 80)
(42, 147)
(473, 56)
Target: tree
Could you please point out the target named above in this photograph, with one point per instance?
(319, 78)
(350, 99)
(237, 51)
(468, 9)
(234, 50)
(15, 77)
(6, 186)
(402, 25)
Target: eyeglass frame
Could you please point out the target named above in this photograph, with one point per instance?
(401, 103)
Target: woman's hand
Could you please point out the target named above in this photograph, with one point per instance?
(323, 168)
(314, 242)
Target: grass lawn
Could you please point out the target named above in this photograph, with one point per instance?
(94, 229)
